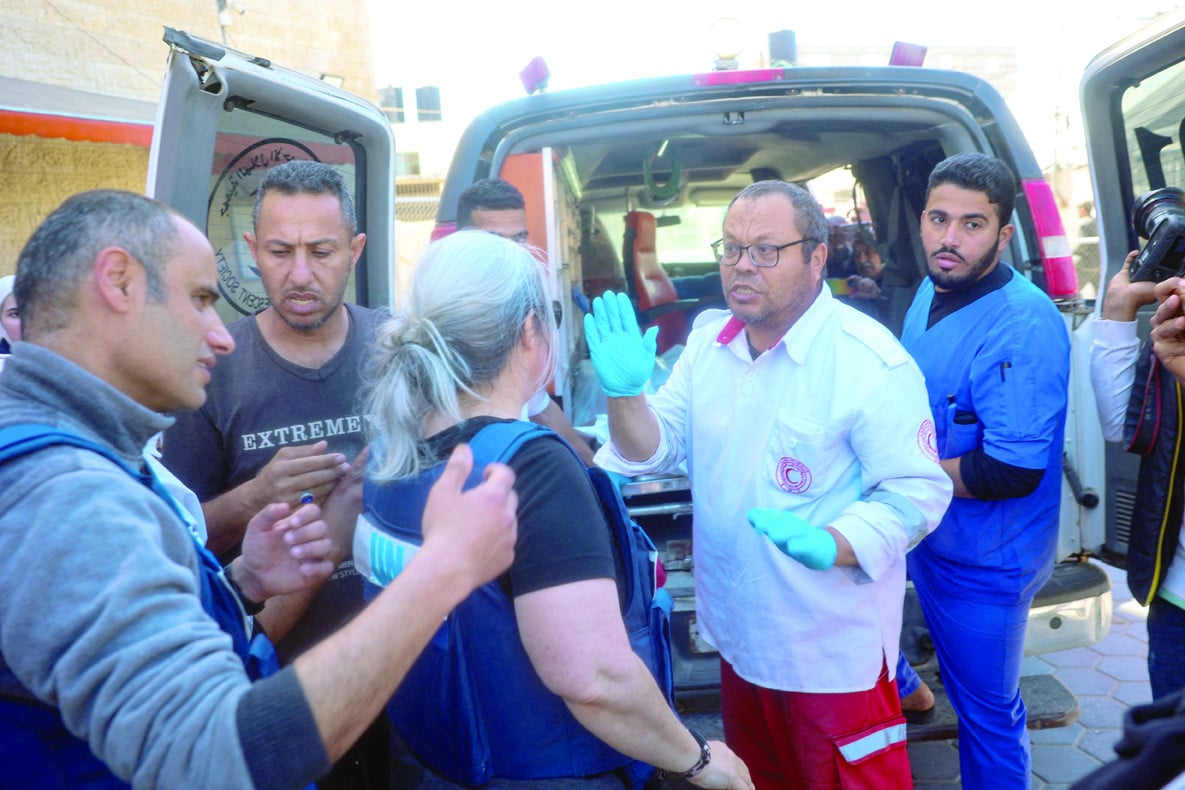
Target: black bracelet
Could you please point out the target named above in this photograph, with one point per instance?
(252, 608)
(705, 757)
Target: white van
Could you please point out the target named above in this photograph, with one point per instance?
(626, 185)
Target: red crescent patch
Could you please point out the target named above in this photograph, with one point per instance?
(927, 441)
(793, 476)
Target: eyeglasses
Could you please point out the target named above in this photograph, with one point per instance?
(763, 255)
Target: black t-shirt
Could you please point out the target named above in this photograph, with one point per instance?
(562, 534)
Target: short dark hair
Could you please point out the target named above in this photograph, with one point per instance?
(61, 252)
(808, 214)
(980, 173)
(488, 194)
(303, 176)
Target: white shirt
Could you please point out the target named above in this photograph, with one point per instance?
(833, 423)
(196, 521)
(1113, 354)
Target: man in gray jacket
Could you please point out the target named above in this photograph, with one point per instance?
(110, 646)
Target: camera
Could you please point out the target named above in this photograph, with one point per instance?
(1159, 217)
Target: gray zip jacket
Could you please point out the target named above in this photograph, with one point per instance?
(100, 607)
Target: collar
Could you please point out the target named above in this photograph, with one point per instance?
(945, 303)
(37, 379)
(798, 338)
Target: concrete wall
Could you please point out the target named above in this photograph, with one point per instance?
(39, 174)
(114, 47)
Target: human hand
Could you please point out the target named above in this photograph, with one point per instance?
(296, 469)
(796, 537)
(622, 357)
(343, 506)
(864, 287)
(475, 529)
(1123, 297)
(725, 771)
(284, 552)
(1168, 327)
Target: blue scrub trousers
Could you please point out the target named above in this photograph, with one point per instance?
(980, 647)
(907, 679)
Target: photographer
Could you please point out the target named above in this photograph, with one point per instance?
(1156, 555)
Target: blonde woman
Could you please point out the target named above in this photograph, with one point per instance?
(570, 697)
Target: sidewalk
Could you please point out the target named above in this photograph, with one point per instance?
(1107, 678)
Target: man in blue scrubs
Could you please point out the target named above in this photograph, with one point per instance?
(996, 356)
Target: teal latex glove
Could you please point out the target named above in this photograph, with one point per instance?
(796, 537)
(619, 479)
(622, 356)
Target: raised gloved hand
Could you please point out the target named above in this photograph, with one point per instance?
(796, 537)
(622, 356)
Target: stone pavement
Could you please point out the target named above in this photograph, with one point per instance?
(1107, 678)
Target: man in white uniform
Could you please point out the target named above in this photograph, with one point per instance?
(810, 448)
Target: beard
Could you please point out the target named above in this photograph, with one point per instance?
(313, 323)
(958, 281)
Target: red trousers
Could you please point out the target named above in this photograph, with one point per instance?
(799, 740)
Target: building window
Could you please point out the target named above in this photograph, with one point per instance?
(407, 164)
(391, 99)
(428, 103)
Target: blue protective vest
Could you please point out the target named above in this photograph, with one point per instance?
(36, 749)
(472, 707)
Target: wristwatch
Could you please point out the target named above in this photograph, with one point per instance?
(705, 757)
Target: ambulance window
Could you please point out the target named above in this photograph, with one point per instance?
(1154, 121)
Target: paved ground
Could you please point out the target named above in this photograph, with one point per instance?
(1107, 678)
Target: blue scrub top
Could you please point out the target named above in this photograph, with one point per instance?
(997, 374)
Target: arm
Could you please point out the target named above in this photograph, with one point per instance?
(588, 662)
(1115, 347)
(633, 428)
(340, 514)
(115, 650)
(1123, 297)
(951, 467)
(905, 490)
(553, 417)
(1017, 400)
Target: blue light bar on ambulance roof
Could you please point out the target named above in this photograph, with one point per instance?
(737, 77)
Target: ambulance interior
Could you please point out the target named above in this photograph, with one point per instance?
(635, 205)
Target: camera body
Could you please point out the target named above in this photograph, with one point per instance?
(1159, 217)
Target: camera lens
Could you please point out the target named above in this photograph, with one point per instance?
(1159, 216)
(1152, 208)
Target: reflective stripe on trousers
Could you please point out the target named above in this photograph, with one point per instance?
(867, 745)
